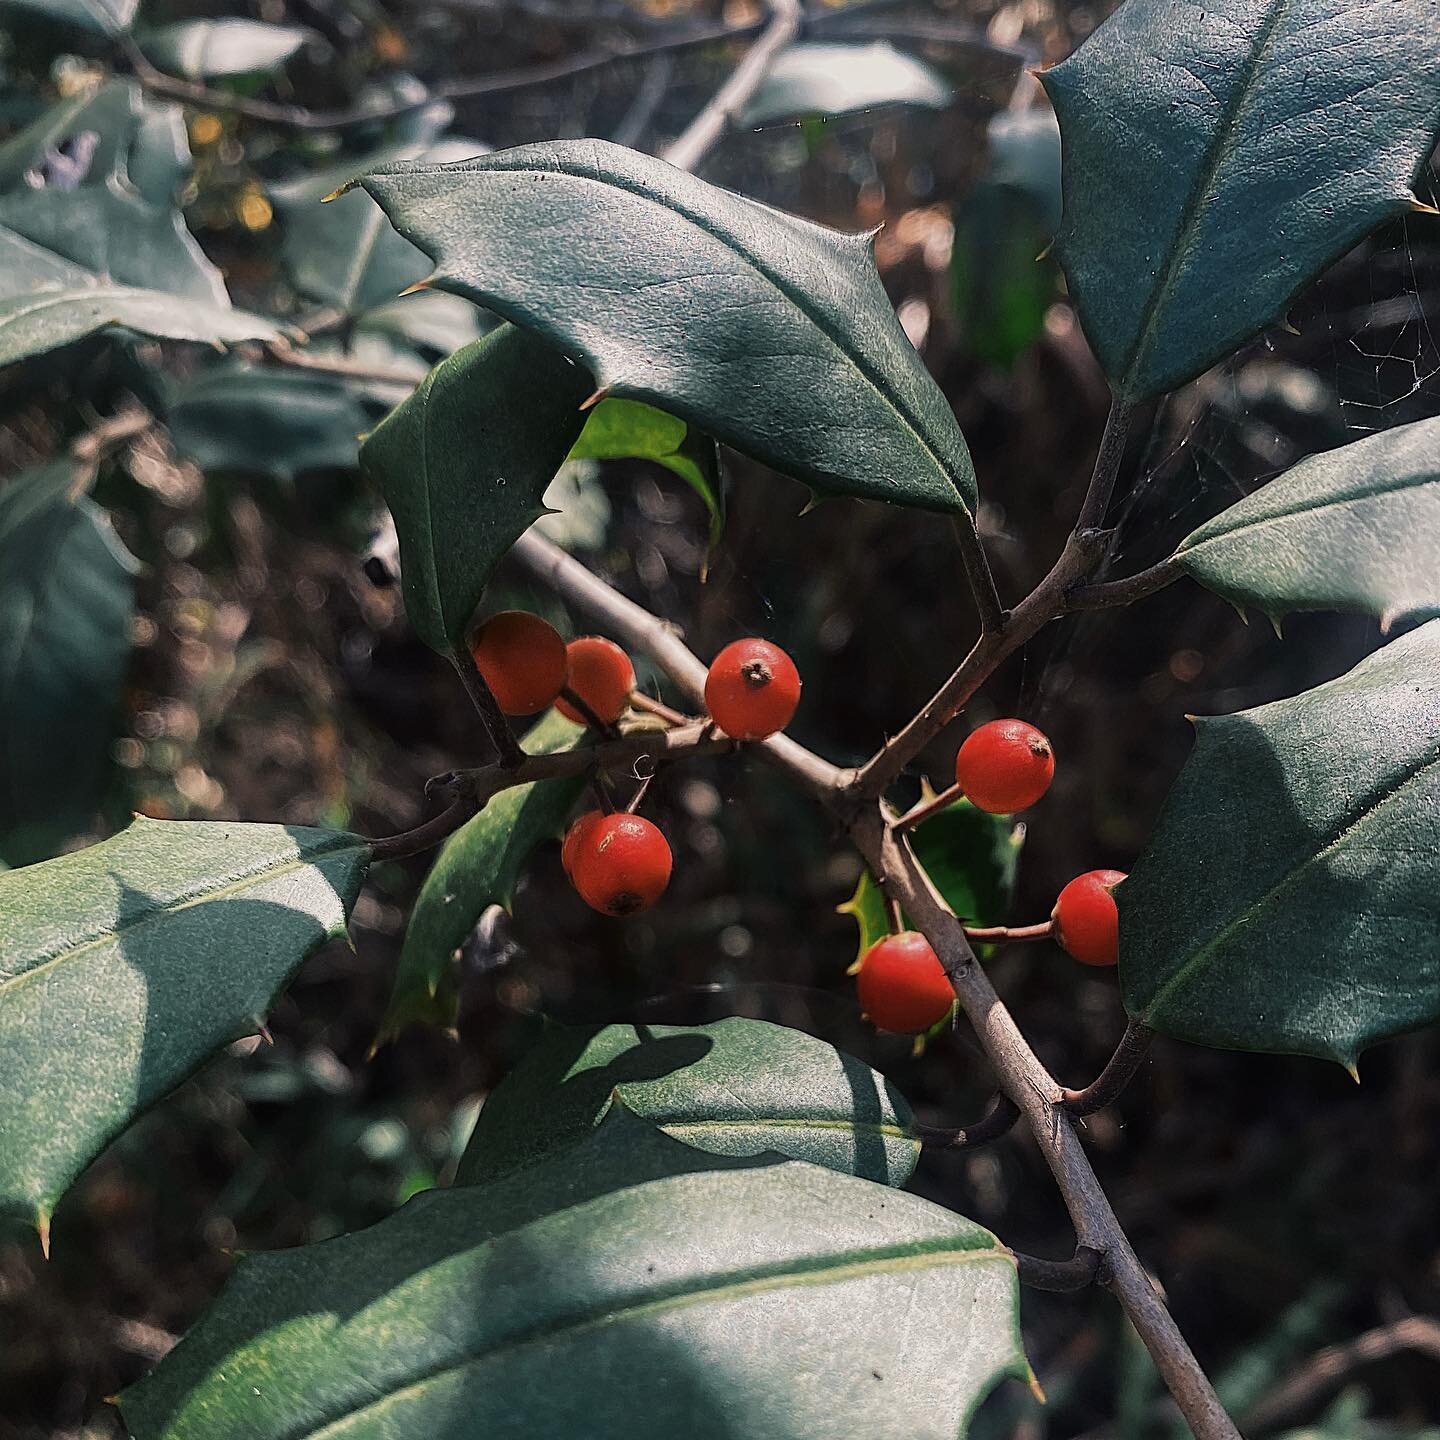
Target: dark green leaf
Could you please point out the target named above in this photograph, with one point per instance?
(737, 1087)
(970, 856)
(764, 330)
(616, 1292)
(203, 49)
(123, 967)
(1356, 528)
(477, 868)
(250, 420)
(626, 430)
(820, 79)
(1288, 899)
(1217, 157)
(66, 602)
(463, 464)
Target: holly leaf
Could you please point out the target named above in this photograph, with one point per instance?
(125, 966)
(736, 1087)
(971, 858)
(67, 597)
(1218, 156)
(592, 1294)
(1356, 528)
(463, 464)
(831, 80)
(1287, 901)
(626, 429)
(477, 867)
(770, 333)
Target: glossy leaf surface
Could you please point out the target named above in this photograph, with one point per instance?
(766, 331)
(736, 1087)
(1289, 900)
(1219, 155)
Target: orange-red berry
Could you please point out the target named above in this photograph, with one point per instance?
(902, 984)
(1005, 766)
(522, 658)
(575, 837)
(1086, 918)
(601, 675)
(752, 689)
(621, 865)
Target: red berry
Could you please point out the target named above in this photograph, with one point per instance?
(1005, 766)
(601, 675)
(903, 986)
(575, 837)
(522, 658)
(1087, 920)
(752, 689)
(621, 865)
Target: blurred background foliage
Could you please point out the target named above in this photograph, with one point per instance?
(246, 665)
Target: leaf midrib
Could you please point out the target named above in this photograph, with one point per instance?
(784, 1122)
(817, 1270)
(1222, 147)
(174, 907)
(855, 359)
(1368, 809)
(1375, 491)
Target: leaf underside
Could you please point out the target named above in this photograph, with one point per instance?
(1218, 154)
(769, 332)
(1289, 900)
(631, 1289)
(123, 967)
(1357, 528)
(736, 1087)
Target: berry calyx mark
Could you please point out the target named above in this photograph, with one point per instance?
(600, 676)
(902, 984)
(1005, 766)
(522, 659)
(1086, 918)
(620, 864)
(752, 689)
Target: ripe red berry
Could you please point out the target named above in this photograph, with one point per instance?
(1005, 766)
(902, 984)
(1087, 920)
(601, 675)
(522, 658)
(621, 865)
(575, 837)
(752, 689)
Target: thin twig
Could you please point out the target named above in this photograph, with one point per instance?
(497, 727)
(426, 836)
(978, 574)
(999, 1119)
(1009, 934)
(639, 700)
(1107, 466)
(1061, 1276)
(920, 813)
(1108, 593)
(704, 131)
(1119, 1071)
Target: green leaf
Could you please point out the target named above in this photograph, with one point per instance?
(770, 333)
(250, 420)
(1357, 528)
(819, 79)
(124, 966)
(616, 1292)
(95, 17)
(477, 868)
(340, 250)
(1286, 902)
(736, 1087)
(463, 464)
(207, 49)
(971, 858)
(626, 429)
(1218, 157)
(67, 597)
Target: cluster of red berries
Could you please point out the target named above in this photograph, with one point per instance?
(1002, 767)
(620, 863)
